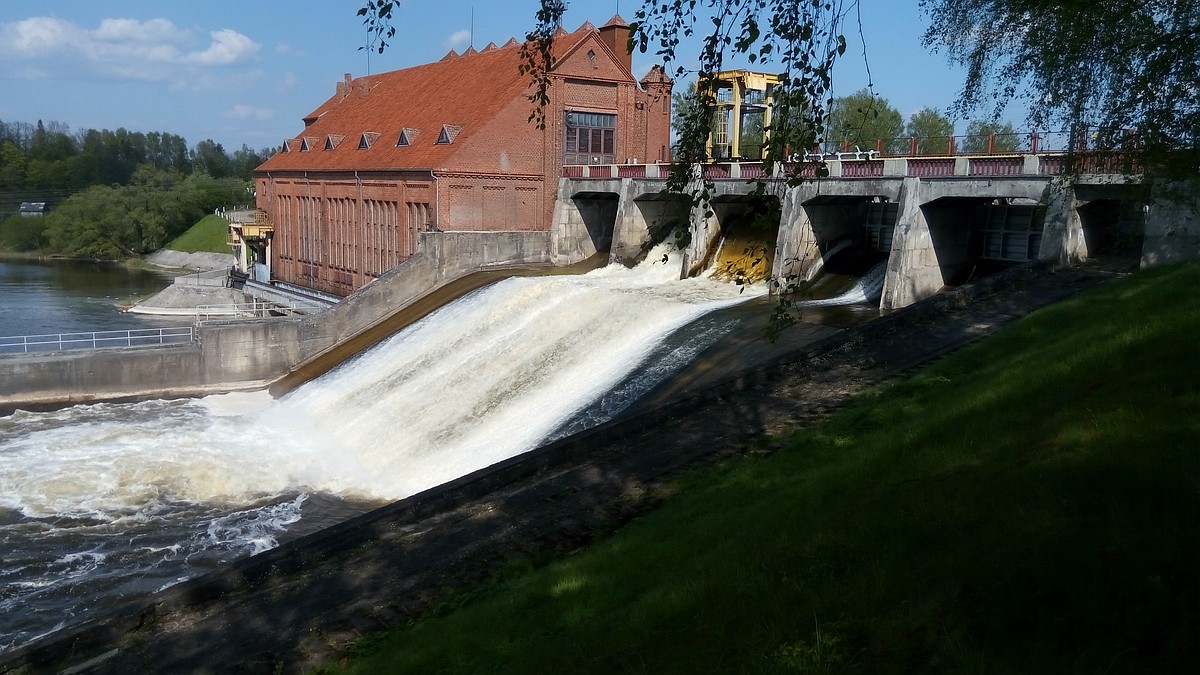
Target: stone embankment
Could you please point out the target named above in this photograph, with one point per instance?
(204, 285)
(302, 604)
(191, 261)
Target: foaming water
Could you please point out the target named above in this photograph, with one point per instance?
(110, 501)
(867, 288)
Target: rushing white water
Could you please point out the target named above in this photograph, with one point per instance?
(867, 288)
(109, 499)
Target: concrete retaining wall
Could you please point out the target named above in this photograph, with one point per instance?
(1172, 227)
(191, 261)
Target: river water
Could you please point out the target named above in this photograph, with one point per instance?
(39, 297)
(104, 503)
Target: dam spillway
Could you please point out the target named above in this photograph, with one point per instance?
(111, 501)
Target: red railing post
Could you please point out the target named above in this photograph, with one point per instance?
(950, 145)
(991, 148)
(912, 146)
(1033, 143)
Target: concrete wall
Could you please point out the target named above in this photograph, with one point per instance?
(617, 215)
(224, 358)
(817, 218)
(913, 271)
(1172, 226)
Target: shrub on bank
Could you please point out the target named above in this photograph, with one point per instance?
(22, 234)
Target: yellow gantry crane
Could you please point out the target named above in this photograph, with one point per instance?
(742, 119)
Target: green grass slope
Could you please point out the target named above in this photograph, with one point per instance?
(209, 235)
(1030, 504)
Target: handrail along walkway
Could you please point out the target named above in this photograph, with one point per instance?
(105, 339)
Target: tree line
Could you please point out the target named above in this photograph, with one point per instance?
(46, 158)
(112, 194)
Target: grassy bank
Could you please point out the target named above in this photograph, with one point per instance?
(1029, 504)
(209, 235)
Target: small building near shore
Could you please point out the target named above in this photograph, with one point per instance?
(33, 209)
(451, 146)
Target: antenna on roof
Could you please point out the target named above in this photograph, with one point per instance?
(472, 26)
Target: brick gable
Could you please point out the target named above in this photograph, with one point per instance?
(354, 204)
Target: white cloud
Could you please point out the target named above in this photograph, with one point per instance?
(228, 47)
(36, 37)
(134, 31)
(457, 39)
(122, 48)
(248, 112)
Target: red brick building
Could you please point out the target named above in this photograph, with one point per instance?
(448, 146)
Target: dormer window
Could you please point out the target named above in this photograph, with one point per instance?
(304, 145)
(448, 133)
(287, 146)
(404, 140)
(367, 140)
(332, 141)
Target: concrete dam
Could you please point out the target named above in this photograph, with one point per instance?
(146, 494)
(936, 222)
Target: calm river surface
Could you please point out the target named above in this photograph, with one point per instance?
(39, 297)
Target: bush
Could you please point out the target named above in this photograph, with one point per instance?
(20, 233)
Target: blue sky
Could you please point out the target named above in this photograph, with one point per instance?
(246, 71)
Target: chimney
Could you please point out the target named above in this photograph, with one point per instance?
(615, 34)
(343, 87)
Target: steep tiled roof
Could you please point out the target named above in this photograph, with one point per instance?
(459, 92)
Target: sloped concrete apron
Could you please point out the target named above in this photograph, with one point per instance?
(302, 604)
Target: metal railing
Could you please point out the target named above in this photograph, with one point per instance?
(104, 339)
(258, 309)
(1091, 140)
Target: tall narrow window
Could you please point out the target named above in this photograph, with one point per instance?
(591, 138)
